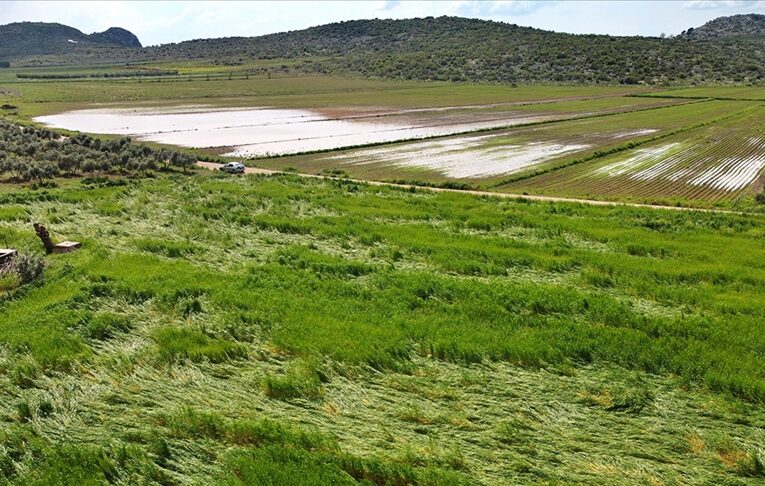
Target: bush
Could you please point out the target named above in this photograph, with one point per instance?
(29, 267)
(40, 154)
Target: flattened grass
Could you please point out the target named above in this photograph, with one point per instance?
(450, 289)
(330, 326)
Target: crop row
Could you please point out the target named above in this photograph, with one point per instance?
(720, 161)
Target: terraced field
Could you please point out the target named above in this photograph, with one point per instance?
(719, 161)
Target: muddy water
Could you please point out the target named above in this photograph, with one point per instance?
(270, 131)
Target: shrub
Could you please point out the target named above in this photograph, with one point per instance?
(28, 267)
(45, 408)
(23, 412)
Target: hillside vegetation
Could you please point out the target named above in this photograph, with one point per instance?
(751, 25)
(459, 49)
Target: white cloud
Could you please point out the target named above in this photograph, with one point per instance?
(502, 8)
(723, 4)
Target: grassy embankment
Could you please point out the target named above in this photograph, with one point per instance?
(260, 329)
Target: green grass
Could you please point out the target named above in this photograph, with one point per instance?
(458, 268)
(179, 343)
(362, 333)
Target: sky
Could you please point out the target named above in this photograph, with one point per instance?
(174, 21)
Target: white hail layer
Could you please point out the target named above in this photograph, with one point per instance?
(463, 158)
(641, 156)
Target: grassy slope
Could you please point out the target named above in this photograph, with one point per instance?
(409, 330)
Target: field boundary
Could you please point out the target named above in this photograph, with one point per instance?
(213, 166)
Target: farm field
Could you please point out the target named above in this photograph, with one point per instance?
(214, 327)
(720, 161)
(35, 98)
(383, 251)
(487, 159)
(264, 131)
(755, 93)
(526, 139)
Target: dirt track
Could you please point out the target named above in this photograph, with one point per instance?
(592, 202)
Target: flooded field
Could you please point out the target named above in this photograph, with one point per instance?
(255, 132)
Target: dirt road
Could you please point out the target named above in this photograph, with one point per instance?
(506, 195)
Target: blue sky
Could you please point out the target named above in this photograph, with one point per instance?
(162, 22)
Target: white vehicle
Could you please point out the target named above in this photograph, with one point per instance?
(232, 168)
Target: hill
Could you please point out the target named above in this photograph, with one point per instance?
(118, 36)
(458, 49)
(24, 39)
(750, 25)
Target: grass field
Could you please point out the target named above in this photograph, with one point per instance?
(573, 130)
(242, 330)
